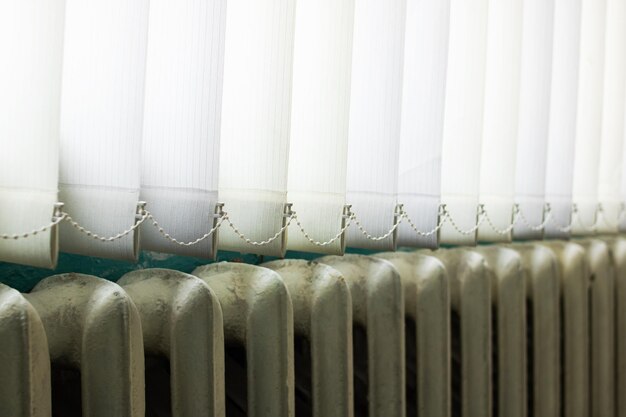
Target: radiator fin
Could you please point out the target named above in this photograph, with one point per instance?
(428, 334)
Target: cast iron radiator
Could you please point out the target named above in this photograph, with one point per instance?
(532, 329)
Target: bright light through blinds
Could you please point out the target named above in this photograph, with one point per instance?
(31, 45)
(534, 113)
(180, 150)
(374, 133)
(255, 121)
(424, 81)
(463, 118)
(101, 122)
(319, 121)
(610, 164)
(502, 81)
(477, 117)
(562, 130)
(589, 114)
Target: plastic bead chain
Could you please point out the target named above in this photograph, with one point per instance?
(290, 216)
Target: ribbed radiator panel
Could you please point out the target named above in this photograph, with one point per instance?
(617, 250)
(541, 274)
(532, 329)
(470, 304)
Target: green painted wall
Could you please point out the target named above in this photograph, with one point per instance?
(24, 278)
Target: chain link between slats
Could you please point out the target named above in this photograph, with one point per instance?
(222, 217)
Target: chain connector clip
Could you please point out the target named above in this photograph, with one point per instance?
(57, 214)
(141, 210)
(217, 216)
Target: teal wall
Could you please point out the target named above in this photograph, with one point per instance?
(24, 278)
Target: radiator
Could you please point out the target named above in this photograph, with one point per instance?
(527, 329)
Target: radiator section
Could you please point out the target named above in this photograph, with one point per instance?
(508, 293)
(258, 317)
(574, 317)
(541, 275)
(514, 330)
(182, 322)
(24, 358)
(470, 303)
(322, 313)
(601, 293)
(92, 326)
(378, 309)
(427, 317)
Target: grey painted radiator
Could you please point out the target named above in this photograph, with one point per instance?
(532, 329)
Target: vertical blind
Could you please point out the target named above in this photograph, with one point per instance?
(500, 121)
(181, 130)
(374, 124)
(611, 147)
(273, 125)
(104, 59)
(31, 44)
(589, 113)
(421, 120)
(320, 112)
(463, 119)
(562, 116)
(534, 111)
(254, 144)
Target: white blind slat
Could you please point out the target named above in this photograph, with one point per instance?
(563, 104)
(256, 101)
(610, 163)
(31, 46)
(101, 122)
(374, 132)
(589, 113)
(536, 70)
(180, 149)
(318, 148)
(463, 118)
(502, 91)
(421, 130)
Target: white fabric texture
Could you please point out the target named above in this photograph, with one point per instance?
(320, 107)
(374, 129)
(180, 149)
(256, 101)
(463, 118)
(101, 122)
(502, 92)
(563, 106)
(536, 71)
(421, 129)
(323, 104)
(589, 119)
(31, 46)
(610, 163)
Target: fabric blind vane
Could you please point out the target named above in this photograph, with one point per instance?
(483, 120)
(562, 125)
(502, 92)
(463, 119)
(181, 132)
(612, 136)
(254, 143)
(589, 114)
(374, 132)
(31, 45)
(320, 106)
(101, 122)
(534, 111)
(421, 129)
